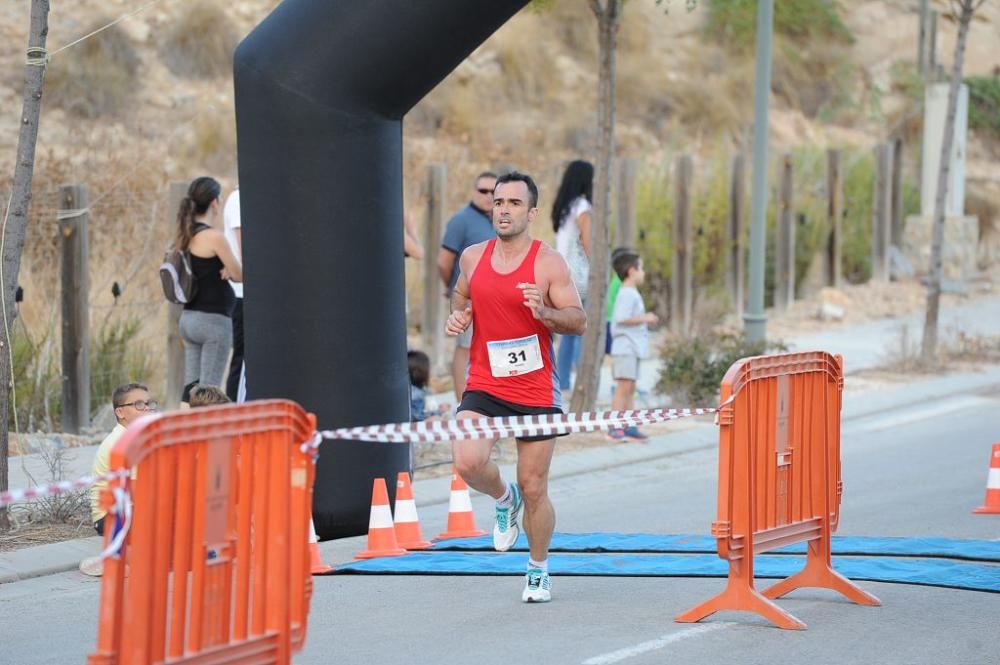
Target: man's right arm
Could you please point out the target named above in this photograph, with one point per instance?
(446, 264)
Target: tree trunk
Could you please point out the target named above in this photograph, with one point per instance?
(928, 347)
(592, 355)
(16, 216)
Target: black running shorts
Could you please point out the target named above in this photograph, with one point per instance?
(493, 407)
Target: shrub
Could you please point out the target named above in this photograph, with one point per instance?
(200, 43)
(37, 384)
(984, 104)
(116, 357)
(97, 77)
(734, 22)
(693, 367)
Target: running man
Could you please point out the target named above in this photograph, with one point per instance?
(515, 292)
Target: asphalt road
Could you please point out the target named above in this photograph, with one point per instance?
(912, 472)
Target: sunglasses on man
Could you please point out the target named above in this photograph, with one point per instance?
(141, 405)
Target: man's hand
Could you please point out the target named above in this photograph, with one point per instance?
(652, 319)
(458, 321)
(532, 298)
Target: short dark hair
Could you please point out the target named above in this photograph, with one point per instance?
(621, 250)
(486, 174)
(206, 396)
(624, 262)
(420, 368)
(119, 394)
(514, 176)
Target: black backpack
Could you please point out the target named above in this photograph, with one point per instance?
(179, 283)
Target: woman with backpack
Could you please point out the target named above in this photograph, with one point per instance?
(206, 325)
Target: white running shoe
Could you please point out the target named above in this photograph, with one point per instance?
(507, 527)
(537, 587)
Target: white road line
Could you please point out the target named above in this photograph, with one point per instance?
(916, 414)
(653, 645)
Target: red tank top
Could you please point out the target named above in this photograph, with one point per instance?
(499, 315)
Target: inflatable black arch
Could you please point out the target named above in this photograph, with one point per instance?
(321, 90)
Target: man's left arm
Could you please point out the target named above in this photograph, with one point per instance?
(564, 312)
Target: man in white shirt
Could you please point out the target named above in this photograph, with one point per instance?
(234, 234)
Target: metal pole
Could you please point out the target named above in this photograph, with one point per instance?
(754, 319)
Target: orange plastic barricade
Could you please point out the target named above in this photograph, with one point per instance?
(779, 478)
(214, 567)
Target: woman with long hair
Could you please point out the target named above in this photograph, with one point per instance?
(206, 325)
(571, 214)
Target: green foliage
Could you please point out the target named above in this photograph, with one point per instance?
(116, 357)
(734, 22)
(906, 79)
(984, 104)
(693, 367)
(856, 226)
(37, 384)
(98, 77)
(200, 43)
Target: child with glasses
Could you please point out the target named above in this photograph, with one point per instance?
(130, 402)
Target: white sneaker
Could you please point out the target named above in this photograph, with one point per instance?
(537, 587)
(507, 526)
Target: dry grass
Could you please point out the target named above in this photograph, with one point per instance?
(200, 42)
(98, 78)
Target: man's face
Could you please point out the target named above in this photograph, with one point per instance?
(135, 403)
(482, 193)
(511, 209)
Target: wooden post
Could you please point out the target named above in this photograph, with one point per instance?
(880, 212)
(433, 324)
(784, 279)
(681, 292)
(175, 345)
(74, 217)
(734, 272)
(922, 40)
(625, 231)
(896, 217)
(932, 65)
(834, 218)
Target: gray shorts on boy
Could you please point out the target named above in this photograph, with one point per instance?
(625, 367)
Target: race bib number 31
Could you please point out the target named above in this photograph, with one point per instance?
(513, 357)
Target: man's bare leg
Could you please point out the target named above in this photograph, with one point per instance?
(472, 460)
(533, 461)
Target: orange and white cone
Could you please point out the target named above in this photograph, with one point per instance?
(992, 504)
(316, 565)
(461, 521)
(407, 523)
(381, 533)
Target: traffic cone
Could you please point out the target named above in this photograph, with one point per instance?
(316, 565)
(461, 521)
(381, 534)
(992, 503)
(407, 523)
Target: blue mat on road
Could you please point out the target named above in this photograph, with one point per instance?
(928, 572)
(948, 548)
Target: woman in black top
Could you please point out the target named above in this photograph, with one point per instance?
(205, 323)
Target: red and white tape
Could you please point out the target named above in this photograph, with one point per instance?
(506, 427)
(61, 487)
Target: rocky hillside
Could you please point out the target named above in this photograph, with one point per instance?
(150, 100)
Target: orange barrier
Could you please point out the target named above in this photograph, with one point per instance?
(779, 478)
(215, 565)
